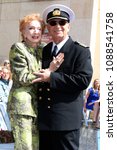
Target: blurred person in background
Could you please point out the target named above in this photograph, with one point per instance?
(5, 85)
(0, 72)
(92, 96)
(96, 116)
(6, 63)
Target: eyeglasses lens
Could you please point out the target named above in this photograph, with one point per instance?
(54, 23)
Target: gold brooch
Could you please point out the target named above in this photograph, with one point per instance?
(56, 13)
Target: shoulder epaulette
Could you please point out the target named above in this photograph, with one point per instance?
(81, 44)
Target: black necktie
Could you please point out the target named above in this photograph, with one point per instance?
(54, 51)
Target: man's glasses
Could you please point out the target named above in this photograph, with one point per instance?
(60, 22)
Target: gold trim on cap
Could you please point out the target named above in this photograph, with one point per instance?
(56, 12)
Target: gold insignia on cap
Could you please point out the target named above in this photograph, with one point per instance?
(56, 12)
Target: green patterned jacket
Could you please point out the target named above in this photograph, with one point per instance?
(23, 96)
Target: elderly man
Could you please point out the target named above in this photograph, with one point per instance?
(61, 93)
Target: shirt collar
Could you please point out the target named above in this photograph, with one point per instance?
(59, 46)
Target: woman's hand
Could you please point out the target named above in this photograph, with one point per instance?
(42, 76)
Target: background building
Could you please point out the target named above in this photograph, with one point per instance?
(85, 28)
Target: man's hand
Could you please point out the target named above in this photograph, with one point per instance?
(57, 61)
(44, 74)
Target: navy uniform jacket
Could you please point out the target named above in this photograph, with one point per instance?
(61, 100)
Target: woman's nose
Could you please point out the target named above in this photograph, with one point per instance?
(37, 30)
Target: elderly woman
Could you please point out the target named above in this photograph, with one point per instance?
(25, 59)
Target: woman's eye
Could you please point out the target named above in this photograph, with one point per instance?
(31, 28)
